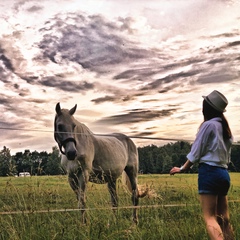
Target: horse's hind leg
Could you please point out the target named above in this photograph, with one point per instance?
(113, 193)
(132, 175)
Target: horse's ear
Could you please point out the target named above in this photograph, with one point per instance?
(72, 111)
(58, 108)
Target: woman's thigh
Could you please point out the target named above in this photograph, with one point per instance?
(222, 207)
(213, 205)
(209, 205)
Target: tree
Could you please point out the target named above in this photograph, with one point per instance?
(7, 164)
(234, 165)
(24, 161)
(53, 166)
(42, 162)
(142, 152)
(153, 159)
(167, 164)
(18, 160)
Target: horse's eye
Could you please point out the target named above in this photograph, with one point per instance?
(60, 128)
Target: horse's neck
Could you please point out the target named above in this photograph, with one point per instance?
(83, 128)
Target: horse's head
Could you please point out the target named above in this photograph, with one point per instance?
(64, 131)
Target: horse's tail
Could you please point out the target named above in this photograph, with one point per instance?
(142, 190)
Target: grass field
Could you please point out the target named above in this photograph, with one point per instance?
(173, 214)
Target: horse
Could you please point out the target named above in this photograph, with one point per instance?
(96, 158)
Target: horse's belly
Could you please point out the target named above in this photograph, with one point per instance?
(109, 166)
(99, 178)
(104, 176)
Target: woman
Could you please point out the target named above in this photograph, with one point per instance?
(211, 150)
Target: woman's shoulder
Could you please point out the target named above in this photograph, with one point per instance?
(211, 124)
(212, 121)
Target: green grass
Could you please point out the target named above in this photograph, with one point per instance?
(158, 217)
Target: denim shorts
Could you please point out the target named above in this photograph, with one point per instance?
(213, 180)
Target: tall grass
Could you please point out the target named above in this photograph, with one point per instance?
(173, 214)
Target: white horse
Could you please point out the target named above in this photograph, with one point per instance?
(99, 159)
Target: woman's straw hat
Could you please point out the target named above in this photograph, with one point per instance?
(217, 100)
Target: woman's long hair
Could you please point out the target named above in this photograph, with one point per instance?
(209, 112)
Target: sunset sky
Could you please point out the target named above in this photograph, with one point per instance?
(137, 67)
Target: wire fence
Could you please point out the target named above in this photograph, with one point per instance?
(108, 135)
(105, 208)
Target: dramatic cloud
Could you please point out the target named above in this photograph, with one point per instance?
(136, 116)
(91, 41)
(66, 85)
(135, 67)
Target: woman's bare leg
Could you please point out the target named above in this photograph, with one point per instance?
(223, 218)
(209, 208)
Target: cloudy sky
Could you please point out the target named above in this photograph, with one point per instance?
(137, 67)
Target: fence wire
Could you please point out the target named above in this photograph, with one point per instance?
(108, 135)
(105, 208)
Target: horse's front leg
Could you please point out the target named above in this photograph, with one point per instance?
(78, 183)
(83, 179)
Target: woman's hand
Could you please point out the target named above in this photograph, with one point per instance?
(187, 165)
(175, 170)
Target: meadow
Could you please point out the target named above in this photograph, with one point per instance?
(43, 207)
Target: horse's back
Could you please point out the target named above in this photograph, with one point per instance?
(118, 143)
(130, 147)
(113, 153)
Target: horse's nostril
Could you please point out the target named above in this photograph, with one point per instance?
(71, 155)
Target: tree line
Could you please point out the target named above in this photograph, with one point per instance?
(36, 163)
(152, 160)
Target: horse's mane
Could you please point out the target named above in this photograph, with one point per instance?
(83, 129)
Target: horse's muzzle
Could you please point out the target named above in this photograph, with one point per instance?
(71, 155)
(70, 152)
